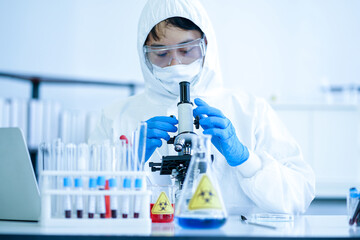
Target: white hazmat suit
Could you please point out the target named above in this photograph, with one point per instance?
(275, 178)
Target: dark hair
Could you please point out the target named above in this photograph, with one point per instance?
(179, 22)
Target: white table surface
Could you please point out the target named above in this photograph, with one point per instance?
(311, 226)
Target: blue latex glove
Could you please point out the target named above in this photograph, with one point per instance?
(222, 131)
(157, 129)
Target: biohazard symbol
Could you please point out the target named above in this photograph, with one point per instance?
(162, 205)
(205, 196)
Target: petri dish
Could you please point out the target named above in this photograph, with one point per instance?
(272, 217)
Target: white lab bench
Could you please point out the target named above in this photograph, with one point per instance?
(305, 226)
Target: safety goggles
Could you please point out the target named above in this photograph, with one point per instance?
(183, 53)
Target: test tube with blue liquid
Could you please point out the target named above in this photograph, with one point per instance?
(70, 151)
(80, 165)
(93, 166)
(115, 166)
(101, 181)
(126, 166)
(353, 206)
(113, 199)
(101, 208)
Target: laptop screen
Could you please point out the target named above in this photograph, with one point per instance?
(19, 198)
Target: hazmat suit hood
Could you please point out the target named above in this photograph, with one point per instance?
(156, 11)
(275, 163)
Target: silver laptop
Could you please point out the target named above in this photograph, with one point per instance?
(19, 192)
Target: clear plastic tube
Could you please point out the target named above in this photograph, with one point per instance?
(353, 206)
(94, 164)
(81, 165)
(126, 166)
(101, 208)
(116, 153)
(68, 165)
(113, 199)
(58, 154)
(139, 143)
(44, 161)
(100, 182)
(106, 165)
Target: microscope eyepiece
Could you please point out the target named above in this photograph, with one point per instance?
(184, 92)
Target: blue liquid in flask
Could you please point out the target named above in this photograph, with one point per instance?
(205, 223)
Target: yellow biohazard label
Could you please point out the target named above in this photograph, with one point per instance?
(162, 205)
(205, 196)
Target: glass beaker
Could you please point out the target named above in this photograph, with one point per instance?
(201, 204)
(162, 204)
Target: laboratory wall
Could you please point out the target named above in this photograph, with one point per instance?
(281, 49)
(292, 53)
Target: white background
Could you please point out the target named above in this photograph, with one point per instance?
(268, 47)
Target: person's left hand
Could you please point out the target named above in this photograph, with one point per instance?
(222, 131)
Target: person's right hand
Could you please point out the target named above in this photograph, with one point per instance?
(157, 129)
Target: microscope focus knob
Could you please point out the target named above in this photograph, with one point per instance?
(171, 140)
(197, 122)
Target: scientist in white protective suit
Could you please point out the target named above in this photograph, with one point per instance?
(258, 165)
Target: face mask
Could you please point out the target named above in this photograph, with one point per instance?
(170, 77)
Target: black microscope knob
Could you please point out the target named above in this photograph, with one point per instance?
(171, 140)
(197, 122)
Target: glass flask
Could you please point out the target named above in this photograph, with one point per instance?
(162, 203)
(201, 204)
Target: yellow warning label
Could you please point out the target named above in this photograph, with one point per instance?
(162, 205)
(205, 196)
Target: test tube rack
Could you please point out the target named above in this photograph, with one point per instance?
(51, 195)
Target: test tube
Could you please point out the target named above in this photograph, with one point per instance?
(46, 182)
(70, 151)
(44, 157)
(67, 198)
(93, 163)
(139, 144)
(101, 208)
(115, 166)
(353, 205)
(79, 198)
(125, 166)
(92, 198)
(101, 180)
(80, 165)
(106, 158)
(57, 156)
(113, 199)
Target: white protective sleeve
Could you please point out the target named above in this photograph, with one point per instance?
(275, 177)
